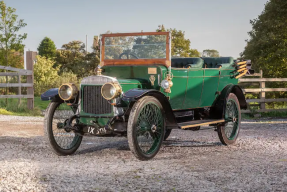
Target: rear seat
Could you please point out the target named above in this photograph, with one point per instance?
(186, 62)
(216, 62)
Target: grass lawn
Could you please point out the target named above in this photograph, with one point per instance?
(12, 107)
(41, 104)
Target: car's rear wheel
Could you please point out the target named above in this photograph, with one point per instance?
(61, 140)
(229, 131)
(146, 128)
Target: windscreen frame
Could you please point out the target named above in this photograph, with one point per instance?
(164, 61)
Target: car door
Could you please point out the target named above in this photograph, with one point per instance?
(194, 88)
(210, 86)
(178, 90)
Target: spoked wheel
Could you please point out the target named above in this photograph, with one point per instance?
(146, 128)
(61, 140)
(228, 132)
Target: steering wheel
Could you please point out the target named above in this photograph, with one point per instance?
(128, 54)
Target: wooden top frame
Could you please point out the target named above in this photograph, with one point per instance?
(166, 61)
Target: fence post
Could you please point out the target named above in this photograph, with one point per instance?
(262, 93)
(30, 58)
(19, 90)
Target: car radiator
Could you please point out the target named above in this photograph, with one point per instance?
(93, 101)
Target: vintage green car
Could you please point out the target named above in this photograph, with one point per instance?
(141, 92)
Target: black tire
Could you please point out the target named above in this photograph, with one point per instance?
(141, 128)
(234, 124)
(167, 134)
(51, 124)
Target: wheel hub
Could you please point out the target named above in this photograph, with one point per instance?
(153, 128)
(234, 119)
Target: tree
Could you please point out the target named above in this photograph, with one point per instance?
(194, 53)
(15, 59)
(47, 48)
(45, 75)
(44, 70)
(267, 46)
(73, 58)
(10, 39)
(210, 53)
(180, 46)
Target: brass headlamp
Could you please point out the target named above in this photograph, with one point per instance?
(68, 91)
(111, 90)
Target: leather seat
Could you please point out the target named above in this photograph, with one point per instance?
(186, 62)
(215, 62)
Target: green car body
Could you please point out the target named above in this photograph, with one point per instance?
(138, 81)
(193, 88)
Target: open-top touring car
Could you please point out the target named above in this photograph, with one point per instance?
(139, 91)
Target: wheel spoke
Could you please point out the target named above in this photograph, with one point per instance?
(65, 139)
(150, 117)
(231, 117)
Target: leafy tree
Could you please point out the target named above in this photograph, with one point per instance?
(93, 60)
(45, 75)
(180, 46)
(47, 48)
(267, 46)
(73, 58)
(44, 70)
(194, 53)
(210, 53)
(10, 39)
(15, 59)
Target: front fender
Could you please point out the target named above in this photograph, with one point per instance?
(51, 95)
(134, 95)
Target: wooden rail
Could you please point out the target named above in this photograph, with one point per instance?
(263, 80)
(258, 90)
(16, 84)
(30, 58)
(262, 90)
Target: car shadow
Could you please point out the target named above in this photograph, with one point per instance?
(117, 145)
(20, 147)
(123, 145)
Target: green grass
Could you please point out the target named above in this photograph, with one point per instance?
(5, 112)
(12, 107)
(41, 104)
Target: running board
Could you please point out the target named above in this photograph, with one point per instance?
(197, 123)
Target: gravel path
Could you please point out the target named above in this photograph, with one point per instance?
(188, 161)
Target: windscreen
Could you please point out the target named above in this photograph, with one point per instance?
(135, 47)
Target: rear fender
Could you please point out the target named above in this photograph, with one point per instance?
(218, 110)
(134, 95)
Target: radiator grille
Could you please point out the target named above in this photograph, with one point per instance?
(93, 102)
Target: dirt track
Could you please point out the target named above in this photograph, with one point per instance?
(188, 161)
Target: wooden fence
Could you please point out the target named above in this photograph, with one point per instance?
(30, 57)
(262, 90)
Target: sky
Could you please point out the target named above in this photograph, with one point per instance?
(209, 24)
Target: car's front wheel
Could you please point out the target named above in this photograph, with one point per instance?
(61, 140)
(229, 131)
(146, 128)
